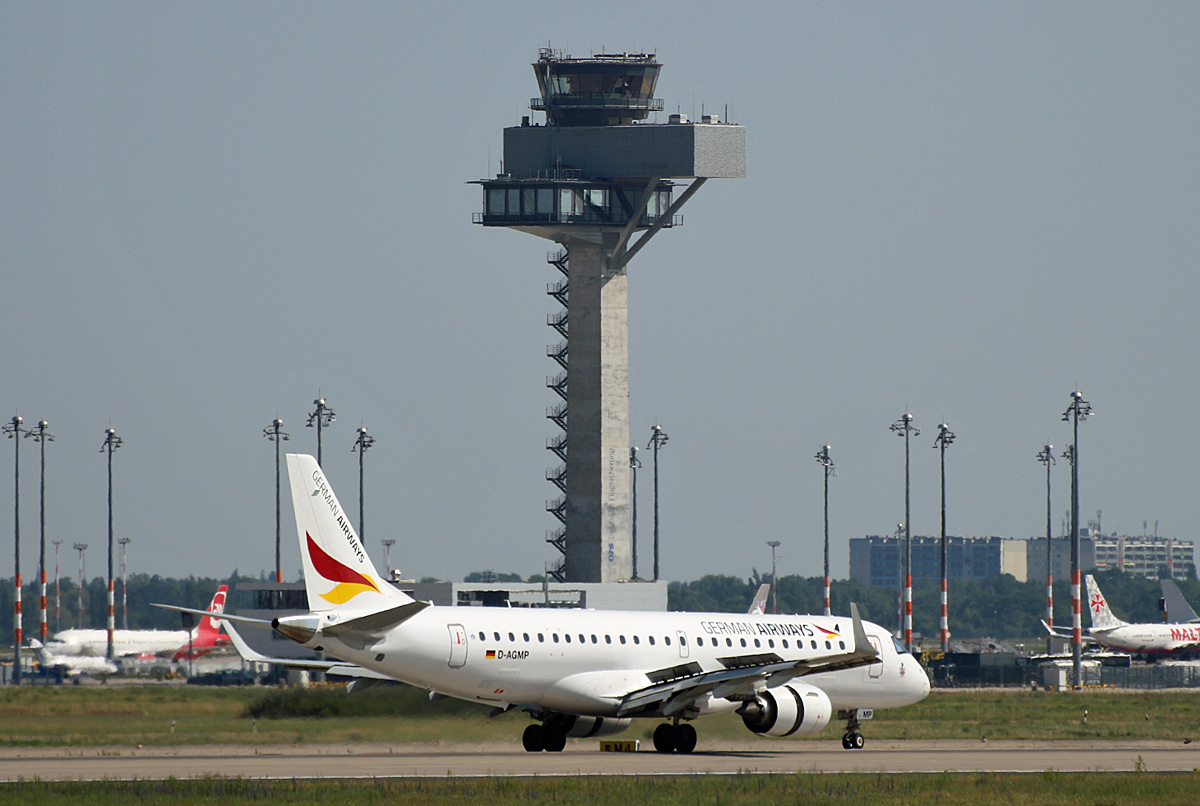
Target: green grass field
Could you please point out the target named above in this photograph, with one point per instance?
(984, 789)
(176, 715)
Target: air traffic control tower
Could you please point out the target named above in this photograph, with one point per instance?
(599, 180)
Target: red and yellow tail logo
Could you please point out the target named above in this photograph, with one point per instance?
(350, 583)
(828, 633)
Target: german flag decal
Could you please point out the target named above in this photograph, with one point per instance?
(490, 654)
(350, 583)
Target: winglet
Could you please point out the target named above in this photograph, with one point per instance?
(862, 646)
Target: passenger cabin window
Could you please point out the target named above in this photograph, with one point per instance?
(652, 640)
(512, 638)
(637, 640)
(568, 637)
(582, 640)
(525, 635)
(622, 639)
(743, 642)
(541, 638)
(497, 636)
(608, 639)
(555, 637)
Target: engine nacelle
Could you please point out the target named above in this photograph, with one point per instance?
(793, 709)
(589, 726)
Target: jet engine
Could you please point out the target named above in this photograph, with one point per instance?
(793, 709)
(588, 726)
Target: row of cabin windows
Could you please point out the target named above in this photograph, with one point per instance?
(583, 639)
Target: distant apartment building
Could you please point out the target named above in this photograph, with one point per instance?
(1146, 556)
(877, 560)
(1060, 557)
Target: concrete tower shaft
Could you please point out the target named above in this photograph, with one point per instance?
(590, 179)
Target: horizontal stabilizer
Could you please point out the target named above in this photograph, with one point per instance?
(376, 623)
(224, 616)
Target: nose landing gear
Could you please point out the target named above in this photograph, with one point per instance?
(853, 739)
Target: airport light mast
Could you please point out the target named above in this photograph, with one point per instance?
(124, 542)
(110, 444)
(275, 433)
(774, 544)
(590, 178)
(319, 418)
(944, 439)
(42, 436)
(361, 443)
(1046, 457)
(1079, 409)
(830, 468)
(658, 438)
(81, 548)
(57, 588)
(904, 428)
(15, 429)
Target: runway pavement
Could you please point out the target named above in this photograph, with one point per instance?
(584, 758)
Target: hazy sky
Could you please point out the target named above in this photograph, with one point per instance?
(213, 211)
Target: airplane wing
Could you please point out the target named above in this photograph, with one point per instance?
(329, 667)
(675, 689)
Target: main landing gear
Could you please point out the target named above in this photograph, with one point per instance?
(853, 740)
(544, 737)
(677, 738)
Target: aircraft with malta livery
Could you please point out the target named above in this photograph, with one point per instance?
(1149, 638)
(578, 672)
(86, 650)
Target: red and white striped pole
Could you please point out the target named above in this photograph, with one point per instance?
(945, 438)
(111, 443)
(823, 459)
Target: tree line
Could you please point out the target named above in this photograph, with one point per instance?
(997, 607)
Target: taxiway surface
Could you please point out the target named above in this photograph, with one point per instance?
(505, 759)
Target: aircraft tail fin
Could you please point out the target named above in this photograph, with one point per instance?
(1178, 609)
(338, 573)
(759, 605)
(207, 635)
(1102, 617)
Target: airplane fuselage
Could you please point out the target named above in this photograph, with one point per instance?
(94, 643)
(1149, 638)
(584, 662)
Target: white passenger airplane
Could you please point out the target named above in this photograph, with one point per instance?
(86, 650)
(1141, 639)
(586, 672)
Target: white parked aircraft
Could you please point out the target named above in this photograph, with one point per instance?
(587, 672)
(1143, 639)
(86, 650)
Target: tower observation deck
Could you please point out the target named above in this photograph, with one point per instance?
(591, 178)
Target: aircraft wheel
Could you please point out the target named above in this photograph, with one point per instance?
(664, 738)
(554, 740)
(856, 741)
(533, 739)
(685, 738)
(846, 742)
